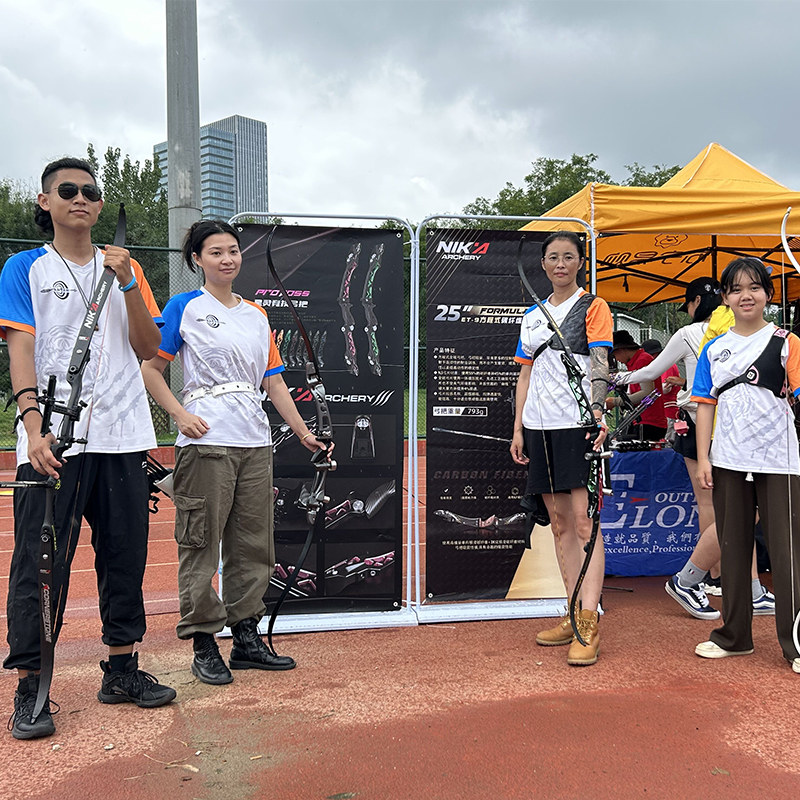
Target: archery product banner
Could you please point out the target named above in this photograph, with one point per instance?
(346, 286)
(475, 527)
(649, 524)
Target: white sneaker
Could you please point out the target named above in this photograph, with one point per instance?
(796, 665)
(712, 650)
(712, 586)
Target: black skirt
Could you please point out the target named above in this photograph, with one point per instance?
(557, 460)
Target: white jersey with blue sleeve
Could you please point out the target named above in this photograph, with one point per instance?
(219, 345)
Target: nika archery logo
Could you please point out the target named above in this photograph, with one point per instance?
(462, 251)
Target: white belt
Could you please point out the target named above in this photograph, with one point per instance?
(220, 388)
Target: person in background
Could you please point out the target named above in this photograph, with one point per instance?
(671, 384)
(223, 464)
(686, 586)
(548, 437)
(44, 296)
(652, 422)
(752, 464)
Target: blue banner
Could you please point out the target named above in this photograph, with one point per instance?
(650, 523)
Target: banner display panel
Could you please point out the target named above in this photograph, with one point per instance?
(475, 527)
(346, 285)
(649, 524)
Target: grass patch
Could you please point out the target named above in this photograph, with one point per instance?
(421, 413)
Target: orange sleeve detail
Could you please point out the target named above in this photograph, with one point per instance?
(793, 362)
(274, 360)
(144, 288)
(599, 322)
(17, 326)
(256, 305)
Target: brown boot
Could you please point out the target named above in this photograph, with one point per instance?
(561, 634)
(580, 655)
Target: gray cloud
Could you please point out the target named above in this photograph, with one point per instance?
(412, 108)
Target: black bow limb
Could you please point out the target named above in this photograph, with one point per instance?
(313, 499)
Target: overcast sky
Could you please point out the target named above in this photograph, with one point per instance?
(407, 107)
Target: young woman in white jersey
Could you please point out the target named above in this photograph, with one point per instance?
(753, 461)
(547, 436)
(685, 587)
(223, 464)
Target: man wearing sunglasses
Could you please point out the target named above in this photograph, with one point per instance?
(44, 296)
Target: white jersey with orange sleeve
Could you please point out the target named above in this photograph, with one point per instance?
(550, 403)
(755, 429)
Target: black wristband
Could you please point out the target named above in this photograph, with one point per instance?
(23, 413)
(15, 397)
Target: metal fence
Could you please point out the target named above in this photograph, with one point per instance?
(167, 275)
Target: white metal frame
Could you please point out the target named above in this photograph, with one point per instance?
(466, 610)
(415, 611)
(403, 616)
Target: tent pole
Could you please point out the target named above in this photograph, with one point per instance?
(714, 257)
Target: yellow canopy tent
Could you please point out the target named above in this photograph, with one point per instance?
(652, 241)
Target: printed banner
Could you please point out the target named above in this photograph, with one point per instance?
(345, 285)
(475, 532)
(650, 523)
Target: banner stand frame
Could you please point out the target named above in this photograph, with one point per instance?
(466, 610)
(355, 620)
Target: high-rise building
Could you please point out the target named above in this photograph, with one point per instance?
(233, 166)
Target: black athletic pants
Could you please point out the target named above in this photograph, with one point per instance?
(110, 491)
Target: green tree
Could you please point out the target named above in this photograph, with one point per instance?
(550, 182)
(553, 180)
(136, 185)
(658, 175)
(16, 212)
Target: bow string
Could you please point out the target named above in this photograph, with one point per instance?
(314, 499)
(795, 610)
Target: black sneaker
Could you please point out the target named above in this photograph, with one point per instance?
(250, 652)
(207, 664)
(692, 598)
(21, 725)
(133, 686)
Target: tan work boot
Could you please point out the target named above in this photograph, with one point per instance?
(561, 634)
(581, 655)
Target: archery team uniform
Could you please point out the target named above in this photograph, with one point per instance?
(223, 480)
(103, 480)
(755, 464)
(551, 417)
(684, 345)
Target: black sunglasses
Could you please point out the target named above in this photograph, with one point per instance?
(68, 190)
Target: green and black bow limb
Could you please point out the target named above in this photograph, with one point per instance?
(314, 499)
(594, 486)
(795, 609)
